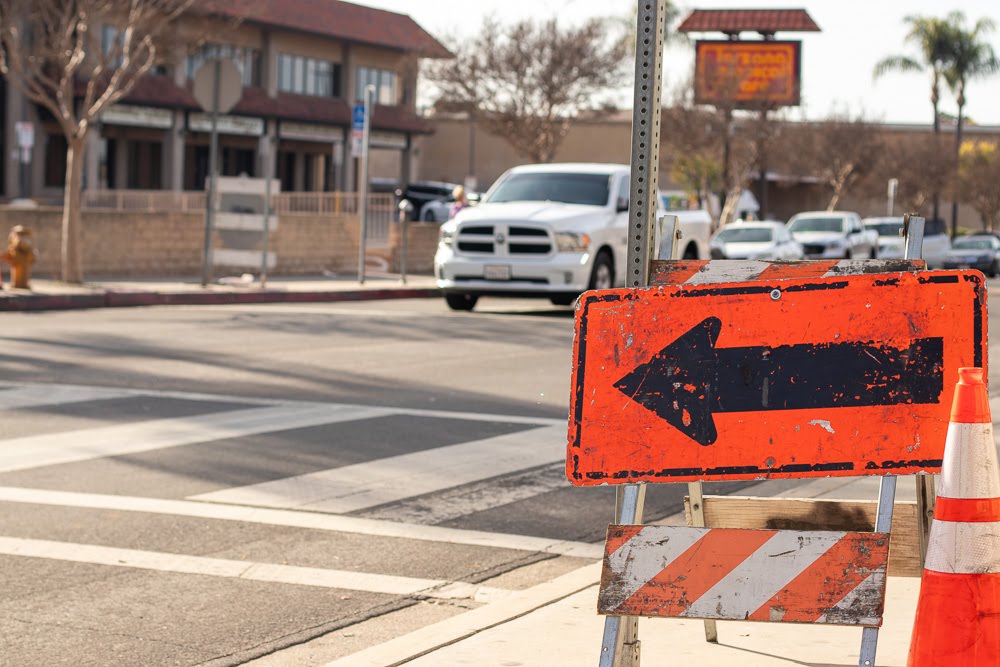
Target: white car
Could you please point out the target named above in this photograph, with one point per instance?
(755, 240)
(552, 230)
(890, 242)
(833, 235)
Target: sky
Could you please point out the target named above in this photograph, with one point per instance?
(836, 63)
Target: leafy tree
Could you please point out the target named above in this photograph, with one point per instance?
(932, 38)
(969, 56)
(978, 178)
(526, 81)
(52, 50)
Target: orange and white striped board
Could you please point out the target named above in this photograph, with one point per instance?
(827, 577)
(706, 272)
(834, 376)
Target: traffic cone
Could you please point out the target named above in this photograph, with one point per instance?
(958, 611)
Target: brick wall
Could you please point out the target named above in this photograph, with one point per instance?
(167, 244)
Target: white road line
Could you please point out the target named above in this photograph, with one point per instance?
(356, 487)
(418, 412)
(309, 520)
(477, 497)
(30, 396)
(81, 445)
(238, 569)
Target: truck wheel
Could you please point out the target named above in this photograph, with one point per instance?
(690, 252)
(461, 301)
(603, 275)
(563, 299)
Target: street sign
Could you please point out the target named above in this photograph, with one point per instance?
(25, 131)
(357, 130)
(809, 377)
(229, 84)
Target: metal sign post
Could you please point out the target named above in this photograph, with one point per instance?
(893, 188)
(363, 189)
(620, 645)
(218, 86)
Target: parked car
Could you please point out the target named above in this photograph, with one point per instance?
(979, 251)
(550, 231)
(439, 210)
(890, 242)
(755, 240)
(420, 193)
(833, 235)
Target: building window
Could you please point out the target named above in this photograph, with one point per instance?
(384, 82)
(246, 59)
(308, 76)
(111, 41)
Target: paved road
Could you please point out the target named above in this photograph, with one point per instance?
(208, 485)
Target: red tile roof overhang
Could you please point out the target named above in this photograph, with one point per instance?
(748, 20)
(336, 19)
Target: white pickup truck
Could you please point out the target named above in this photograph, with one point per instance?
(833, 235)
(551, 231)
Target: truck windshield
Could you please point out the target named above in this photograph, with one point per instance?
(586, 189)
(817, 225)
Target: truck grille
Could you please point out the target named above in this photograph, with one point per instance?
(504, 240)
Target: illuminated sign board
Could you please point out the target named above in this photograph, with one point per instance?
(747, 73)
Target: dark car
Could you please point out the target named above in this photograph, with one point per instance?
(980, 251)
(419, 193)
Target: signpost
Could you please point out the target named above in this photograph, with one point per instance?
(366, 121)
(25, 131)
(809, 377)
(218, 86)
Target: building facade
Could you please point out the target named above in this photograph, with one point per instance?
(304, 64)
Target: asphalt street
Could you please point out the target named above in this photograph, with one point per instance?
(212, 485)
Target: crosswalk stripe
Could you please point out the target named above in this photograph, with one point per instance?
(294, 519)
(34, 451)
(475, 497)
(237, 569)
(31, 396)
(357, 487)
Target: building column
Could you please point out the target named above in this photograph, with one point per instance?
(92, 159)
(173, 154)
(339, 171)
(121, 165)
(267, 150)
(13, 113)
(406, 163)
(299, 183)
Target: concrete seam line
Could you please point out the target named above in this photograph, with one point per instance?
(445, 633)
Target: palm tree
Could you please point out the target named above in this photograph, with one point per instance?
(931, 36)
(969, 56)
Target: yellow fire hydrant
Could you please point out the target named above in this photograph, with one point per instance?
(20, 255)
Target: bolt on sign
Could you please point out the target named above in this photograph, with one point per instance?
(813, 377)
(747, 73)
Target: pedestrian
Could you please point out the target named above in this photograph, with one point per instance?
(458, 194)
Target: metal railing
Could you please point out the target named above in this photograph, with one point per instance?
(381, 207)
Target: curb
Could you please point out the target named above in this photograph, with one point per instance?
(113, 299)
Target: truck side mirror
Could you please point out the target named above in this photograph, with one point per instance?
(622, 205)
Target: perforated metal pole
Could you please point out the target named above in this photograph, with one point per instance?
(620, 644)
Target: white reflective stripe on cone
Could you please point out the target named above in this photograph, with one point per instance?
(970, 463)
(964, 548)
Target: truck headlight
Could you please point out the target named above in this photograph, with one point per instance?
(446, 237)
(572, 242)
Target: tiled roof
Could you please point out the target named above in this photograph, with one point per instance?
(333, 18)
(748, 20)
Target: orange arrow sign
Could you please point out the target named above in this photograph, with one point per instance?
(814, 377)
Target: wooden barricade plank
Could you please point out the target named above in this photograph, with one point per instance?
(827, 577)
(818, 514)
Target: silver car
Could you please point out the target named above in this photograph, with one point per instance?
(755, 240)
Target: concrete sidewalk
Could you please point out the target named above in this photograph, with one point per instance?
(55, 295)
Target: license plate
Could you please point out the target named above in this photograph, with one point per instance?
(496, 272)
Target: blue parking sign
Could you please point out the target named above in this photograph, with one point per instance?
(359, 117)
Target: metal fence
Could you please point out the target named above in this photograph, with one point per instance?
(381, 207)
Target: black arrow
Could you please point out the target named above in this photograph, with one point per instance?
(690, 379)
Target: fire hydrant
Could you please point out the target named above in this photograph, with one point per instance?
(20, 255)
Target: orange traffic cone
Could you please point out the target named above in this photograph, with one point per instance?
(958, 612)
